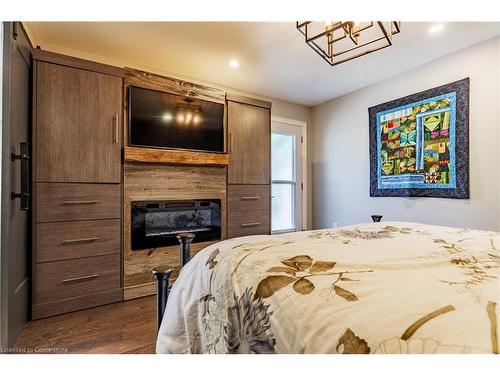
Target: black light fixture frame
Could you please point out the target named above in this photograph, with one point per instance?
(329, 56)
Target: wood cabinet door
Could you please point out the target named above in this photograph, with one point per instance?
(78, 132)
(249, 144)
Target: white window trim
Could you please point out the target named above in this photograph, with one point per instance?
(303, 126)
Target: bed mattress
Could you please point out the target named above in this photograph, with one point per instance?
(390, 287)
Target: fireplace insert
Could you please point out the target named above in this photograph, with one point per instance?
(156, 223)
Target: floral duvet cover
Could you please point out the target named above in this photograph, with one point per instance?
(371, 288)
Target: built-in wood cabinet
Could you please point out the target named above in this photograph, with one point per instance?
(249, 143)
(77, 204)
(78, 125)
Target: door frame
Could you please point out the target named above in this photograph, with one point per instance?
(303, 130)
(3, 216)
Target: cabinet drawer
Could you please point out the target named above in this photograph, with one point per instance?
(246, 223)
(65, 202)
(76, 277)
(77, 239)
(247, 197)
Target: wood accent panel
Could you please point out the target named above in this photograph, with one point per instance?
(250, 101)
(77, 125)
(155, 155)
(44, 310)
(245, 223)
(147, 80)
(143, 182)
(124, 327)
(142, 283)
(77, 239)
(71, 278)
(56, 58)
(247, 197)
(64, 202)
(147, 181)
(249, 144)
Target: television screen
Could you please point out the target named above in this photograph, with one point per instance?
(159, 119)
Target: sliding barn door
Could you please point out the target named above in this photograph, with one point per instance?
(14, 258)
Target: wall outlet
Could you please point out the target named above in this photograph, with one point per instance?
(335, 225)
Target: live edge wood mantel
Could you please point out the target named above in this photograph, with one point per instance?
(154, 155)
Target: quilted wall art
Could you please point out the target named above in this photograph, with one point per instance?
(419, 144)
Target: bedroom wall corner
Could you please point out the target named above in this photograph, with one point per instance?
(340, 150)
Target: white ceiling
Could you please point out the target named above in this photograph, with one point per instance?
(274, 59)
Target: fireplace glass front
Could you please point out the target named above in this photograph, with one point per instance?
(156, 223)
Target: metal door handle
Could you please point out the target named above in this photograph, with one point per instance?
(250, 198)
(115, 129)
(24, 157)
(230, 142)
(78, 240)
(82, 278)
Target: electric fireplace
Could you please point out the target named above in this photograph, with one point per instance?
(156, 223)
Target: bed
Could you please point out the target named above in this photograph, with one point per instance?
(390, 287)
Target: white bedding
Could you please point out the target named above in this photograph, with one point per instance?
(371, 288)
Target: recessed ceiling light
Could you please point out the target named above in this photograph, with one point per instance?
(233, 63)
(436, 28)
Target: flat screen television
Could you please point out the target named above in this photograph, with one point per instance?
(159, 119)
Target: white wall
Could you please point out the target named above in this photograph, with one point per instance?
(340, 149)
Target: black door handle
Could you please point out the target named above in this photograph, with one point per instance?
(24, 157)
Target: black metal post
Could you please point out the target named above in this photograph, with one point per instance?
(376, 218)
(161, 275)
(185, 240)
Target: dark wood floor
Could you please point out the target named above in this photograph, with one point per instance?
(124, 327)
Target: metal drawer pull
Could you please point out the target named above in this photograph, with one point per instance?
(250, 225)
(79, 202)
(82, 278)
(78, 240)
(250, 198)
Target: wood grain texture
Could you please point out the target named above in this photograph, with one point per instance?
(66, 202)
(76, 277)
(44, 310)
(77, 124)
(56, 58)
(77, 140)
(152, 81)
(248, 100)
(141, 282)
(249, 140)
(146, 182)
(124, 327)
(185, 157)
(77, 239)
(246, 223)
(248, 197)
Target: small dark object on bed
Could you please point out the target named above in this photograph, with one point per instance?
(376, 218)
(161, 275)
